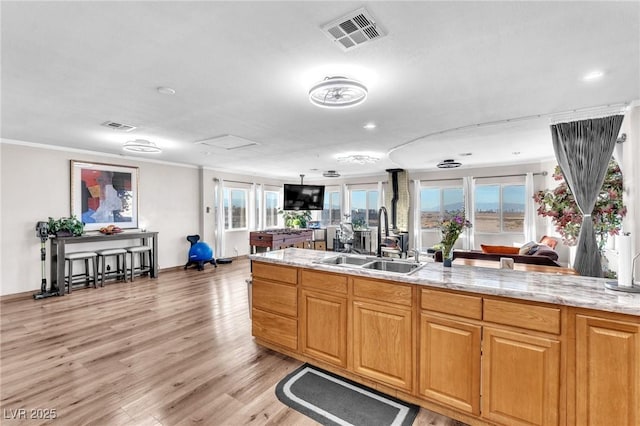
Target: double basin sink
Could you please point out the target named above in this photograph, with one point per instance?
(395, 266)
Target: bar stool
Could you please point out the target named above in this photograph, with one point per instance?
(145, 262)
(72, 279)
(120, 271)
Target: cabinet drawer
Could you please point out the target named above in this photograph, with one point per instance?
(319, 245)
(274, 328)
(324, 281)
(384, 291)
(450, 303)
(522, 315)
(274, 297)
(274, 272)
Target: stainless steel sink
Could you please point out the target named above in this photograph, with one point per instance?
(345, 260)
(372, 263)
(392, 266)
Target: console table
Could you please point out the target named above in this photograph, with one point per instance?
(59, 247)
(280, 238)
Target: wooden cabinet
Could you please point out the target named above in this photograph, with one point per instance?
(449, 349)
(607, 361)
(449, 362)
(323, 317)
(324, 327)
(520, 378)
(274, 308)
(480, 358)
(383, 330)
(382, 343)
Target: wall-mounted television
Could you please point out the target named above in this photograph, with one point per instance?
(303, 197)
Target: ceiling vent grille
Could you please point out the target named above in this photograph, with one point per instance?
(353, 30)
(118, 126)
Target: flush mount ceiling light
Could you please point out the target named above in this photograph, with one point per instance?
(449, 164)
(141, 146)
(166, 90)
(338, 92)
(593, 75)
(331, 174)
(358, 159)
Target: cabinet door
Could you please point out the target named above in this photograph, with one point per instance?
(382, 343)
(520, 378)
(449, 359)
(607, 372)
(324, 327)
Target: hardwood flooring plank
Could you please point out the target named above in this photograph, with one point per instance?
(176, 350)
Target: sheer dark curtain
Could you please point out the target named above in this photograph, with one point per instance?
(583, 150)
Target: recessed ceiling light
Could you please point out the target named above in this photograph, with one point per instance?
(166, 90)
(369, 126)
(593, 75)
(338, 92)
(516, 152)
(141, 146)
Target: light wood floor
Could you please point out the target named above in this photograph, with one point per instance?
(172, 351)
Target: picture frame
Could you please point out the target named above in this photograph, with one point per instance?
(104, 194)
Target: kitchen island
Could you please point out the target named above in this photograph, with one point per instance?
(481, 345)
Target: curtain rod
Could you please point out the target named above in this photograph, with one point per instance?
(233, 181)
(484, 177)
(515, 175)
(367, 183)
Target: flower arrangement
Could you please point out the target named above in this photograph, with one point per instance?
(560, 205)
(451, 228)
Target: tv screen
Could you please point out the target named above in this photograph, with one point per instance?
(303, 197)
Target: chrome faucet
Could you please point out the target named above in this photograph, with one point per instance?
(416, 255)
(382, 209)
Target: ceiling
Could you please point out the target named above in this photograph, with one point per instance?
(448, 78)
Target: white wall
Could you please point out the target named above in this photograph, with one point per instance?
(35, 184)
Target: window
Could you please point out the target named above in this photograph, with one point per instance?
(331, 213)
(271, 209)
(499, 208)
(235, 209)
(437, 203)
(364, 205)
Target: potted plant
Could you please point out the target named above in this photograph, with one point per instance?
(560, 205)
(66, 227)
(295, 219)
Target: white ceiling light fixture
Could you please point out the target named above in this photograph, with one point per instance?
(358, 159)
(141, 146)
(593, 76)
(449, 164)
(370, 126)
(166, 90)
(338, 92)
(331, 174)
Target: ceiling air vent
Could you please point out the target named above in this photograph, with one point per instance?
(353, 30)
(118, 126)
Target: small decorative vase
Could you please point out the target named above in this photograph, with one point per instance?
(447, 257)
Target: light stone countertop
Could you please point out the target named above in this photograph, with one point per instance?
(569, 290)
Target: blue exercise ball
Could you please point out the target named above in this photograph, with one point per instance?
(200, 252)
